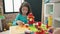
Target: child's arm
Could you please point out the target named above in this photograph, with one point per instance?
(17, 18)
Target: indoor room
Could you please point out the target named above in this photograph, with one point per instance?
(29, 16)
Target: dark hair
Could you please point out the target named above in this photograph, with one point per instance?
(26, 4)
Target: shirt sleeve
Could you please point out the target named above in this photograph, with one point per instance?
(17, 18)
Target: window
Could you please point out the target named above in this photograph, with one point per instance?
(12, 6)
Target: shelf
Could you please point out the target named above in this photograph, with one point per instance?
(52, 8)
(48, 8)
(46, 15)
(58, 19)
(54, 0)
(49, 3)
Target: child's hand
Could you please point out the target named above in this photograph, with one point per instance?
(20, 22)
(26, 25)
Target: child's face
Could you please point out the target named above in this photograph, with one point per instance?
(24, 10)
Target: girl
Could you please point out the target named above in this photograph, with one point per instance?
(24, 11)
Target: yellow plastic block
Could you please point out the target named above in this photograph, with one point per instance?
(50, 21)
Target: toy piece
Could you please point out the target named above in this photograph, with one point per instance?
(43, 26)
(30, 18)
(50, 21)
(46, 33)
(27, 32)
(47, 26)
(40, 31)
(5, 29)
(51, 29)
(33, 29)
(37, 24)
(46, 22)
(26, 25)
